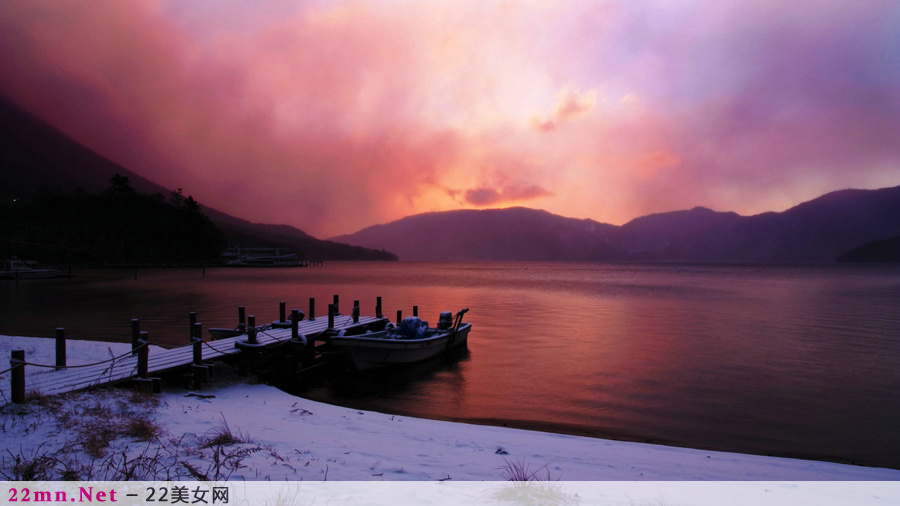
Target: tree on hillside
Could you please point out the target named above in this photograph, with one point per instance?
(191, 205)
(120, 185)
(177, 198)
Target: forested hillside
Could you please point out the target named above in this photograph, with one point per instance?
(116, 227)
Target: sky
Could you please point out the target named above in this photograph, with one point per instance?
(335, 115)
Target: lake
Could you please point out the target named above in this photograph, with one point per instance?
(782, 360)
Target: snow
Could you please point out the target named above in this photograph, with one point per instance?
(295, 439)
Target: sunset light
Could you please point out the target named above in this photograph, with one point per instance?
(647, 251)
(335, 115)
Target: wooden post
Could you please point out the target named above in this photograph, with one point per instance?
(378, 313)
(197, 341)
(251, 329)
(312, 309)
(60, 348)
(143, 355)
(415, 310)
(145, 384)
(399, 316)
(135, 335)
(355, 311)
(17, 375)
(331, 316)
(281, 316)
(192, 317)
(337, 306)
(242, 318)
(295, 324)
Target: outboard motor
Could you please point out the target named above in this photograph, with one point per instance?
(446, 321)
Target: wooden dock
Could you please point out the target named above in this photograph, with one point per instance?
(126, 368)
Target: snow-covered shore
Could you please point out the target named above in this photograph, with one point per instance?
(289, 438)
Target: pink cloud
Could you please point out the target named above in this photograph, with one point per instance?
(570, 105)
(335, 115)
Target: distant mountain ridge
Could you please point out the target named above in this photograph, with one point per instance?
(34, 154)
(819, 230)
(494, 234)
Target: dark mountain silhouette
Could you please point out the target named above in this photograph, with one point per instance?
(816, 231)
(699, 234)
(33, 155)
(116, 227)
(494, 234)
(886, 251)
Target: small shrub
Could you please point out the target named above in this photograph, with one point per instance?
(520, 470)
(222, 435)
(223, 464)
(37, 467)
(96, 437)
(141, 428)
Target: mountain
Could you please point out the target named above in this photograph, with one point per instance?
(494, 234)
(699, 234)
(33, 154)
(816, 231)
(886, 251)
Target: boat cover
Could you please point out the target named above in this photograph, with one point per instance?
(412, 327)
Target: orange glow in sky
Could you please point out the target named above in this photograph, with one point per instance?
(335, 115)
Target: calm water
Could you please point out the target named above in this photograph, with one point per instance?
(784, 360)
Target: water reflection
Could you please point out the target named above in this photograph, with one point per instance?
(768, 359)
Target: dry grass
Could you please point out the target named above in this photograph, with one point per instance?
(520, 470)
(141, 428)
(37, 466)
(222, 435)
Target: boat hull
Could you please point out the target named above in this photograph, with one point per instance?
(23, 269)
(374, 352)
(32, 274)
(260, 257)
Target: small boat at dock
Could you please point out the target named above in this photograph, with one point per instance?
(26, 269)
(409, 342)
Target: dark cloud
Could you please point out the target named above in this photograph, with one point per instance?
(484, 197)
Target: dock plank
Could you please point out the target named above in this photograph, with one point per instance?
(125, 367)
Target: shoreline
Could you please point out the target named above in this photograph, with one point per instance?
(293, 438)
(578, 431)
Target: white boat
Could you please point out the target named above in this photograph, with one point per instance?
(260, 257)
(25, 269)
(410, 341)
